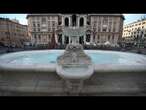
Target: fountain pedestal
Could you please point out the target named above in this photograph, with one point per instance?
(74, 66)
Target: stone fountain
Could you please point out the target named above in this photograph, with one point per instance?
(74, 66)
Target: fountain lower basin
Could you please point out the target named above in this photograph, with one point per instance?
(34, 72)
(46, 60)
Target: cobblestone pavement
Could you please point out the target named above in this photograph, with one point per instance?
(118, 84)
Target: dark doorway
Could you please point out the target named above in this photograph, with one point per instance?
(88, 38)
(66, 22)
(81, 39)
(74, 20)
(66, 39)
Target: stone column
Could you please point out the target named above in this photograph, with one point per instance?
(56, 38)
(108, 25)
(78, 21)
(85, 20)
(101, 23)
(70, 24)
(69, 37)
(62, 39)
(112, 25)
(91, 38)
(84, 39)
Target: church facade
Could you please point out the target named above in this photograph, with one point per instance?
(93, 28)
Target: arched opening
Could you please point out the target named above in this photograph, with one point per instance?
(81, 40)
(74, 20)
(66, 40)
(66, 22)
(88, 38)
(60, 38)
(81, 21)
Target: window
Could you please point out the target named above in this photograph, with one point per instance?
(53, 23)
(66, 22)
(43, 20)
(105, 20)
(81, 21)
(38, 25)
(74, 20)
(39, 37)
(104, 29)
(39, 29)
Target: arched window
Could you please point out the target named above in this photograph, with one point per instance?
(66, 22)
(74, 20)
(81, 39)
(81, 21)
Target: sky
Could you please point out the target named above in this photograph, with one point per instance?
(22, 17)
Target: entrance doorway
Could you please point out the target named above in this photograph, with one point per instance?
(81, 39)
(66, 40)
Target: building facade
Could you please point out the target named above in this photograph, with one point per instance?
(93, 28)
(135, 32)
(13, 33)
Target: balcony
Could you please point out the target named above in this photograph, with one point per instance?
(74, 31)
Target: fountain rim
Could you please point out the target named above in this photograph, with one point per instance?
(52, 67)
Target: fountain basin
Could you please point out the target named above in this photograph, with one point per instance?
(34, 73)
(45, 60)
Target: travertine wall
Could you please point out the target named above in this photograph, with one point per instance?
(49, 83)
